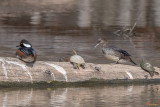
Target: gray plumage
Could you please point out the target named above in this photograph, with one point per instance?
(114, 54)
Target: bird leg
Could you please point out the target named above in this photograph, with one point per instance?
(117, 61)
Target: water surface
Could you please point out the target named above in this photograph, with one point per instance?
(99, 96)
(56, 27)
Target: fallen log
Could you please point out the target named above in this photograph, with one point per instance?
(14, 70)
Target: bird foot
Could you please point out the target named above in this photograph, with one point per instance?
(114, 63)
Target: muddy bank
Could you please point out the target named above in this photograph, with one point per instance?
(13, 70)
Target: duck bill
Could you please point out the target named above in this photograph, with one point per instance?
(96, 45)
(17, 46)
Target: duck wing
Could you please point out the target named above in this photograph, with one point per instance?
(28, 51)
(122, 52)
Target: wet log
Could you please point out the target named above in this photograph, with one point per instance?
(15, 70)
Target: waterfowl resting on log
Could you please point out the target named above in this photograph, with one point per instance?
(26, 52)
(77, 60)
(114, 54)
(146, 66)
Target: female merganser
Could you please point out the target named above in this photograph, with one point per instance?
(113, 53)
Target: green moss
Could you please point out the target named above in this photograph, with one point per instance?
(87, 83)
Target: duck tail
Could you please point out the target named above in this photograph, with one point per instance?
(132, 61)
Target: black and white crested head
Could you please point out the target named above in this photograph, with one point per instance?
(25, 43)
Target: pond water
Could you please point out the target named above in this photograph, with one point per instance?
(99, 96)
(55, 27)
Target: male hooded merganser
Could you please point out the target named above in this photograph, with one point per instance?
(26, 52)
(113, 53)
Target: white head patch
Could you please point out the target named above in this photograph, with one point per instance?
(27, 45)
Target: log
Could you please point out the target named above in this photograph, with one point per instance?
(15, 70)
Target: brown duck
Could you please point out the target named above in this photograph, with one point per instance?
(114, 54)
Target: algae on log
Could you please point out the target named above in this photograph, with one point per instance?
(14, 70)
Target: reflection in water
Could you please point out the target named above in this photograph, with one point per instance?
(35, 18)
(135, 96)
(156, 14)
(84, 13)
(59, 100)
(125, 12)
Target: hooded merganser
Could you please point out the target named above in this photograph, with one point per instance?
(113, 53)
(26, 52)
(146, 66)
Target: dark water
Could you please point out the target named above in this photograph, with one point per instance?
(55, 27)
(108, 96)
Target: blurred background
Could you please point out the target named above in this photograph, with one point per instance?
(55, 27)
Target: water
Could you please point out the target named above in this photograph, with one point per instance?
(99, 96)
(55, 27)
